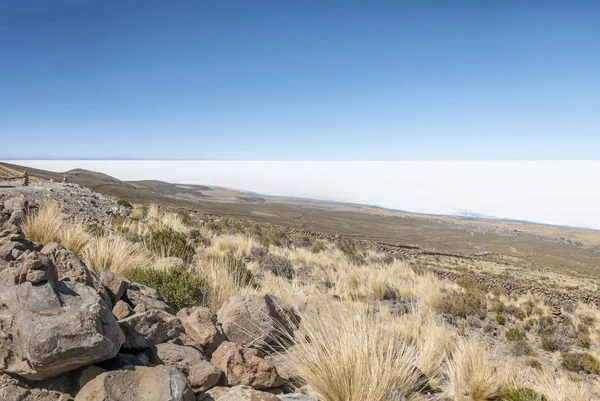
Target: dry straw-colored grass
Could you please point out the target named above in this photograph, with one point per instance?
(116, 254)
(238, 246)
(223, 282)
(44, 226)
(472, 376)
(74, 236)
(348, 356)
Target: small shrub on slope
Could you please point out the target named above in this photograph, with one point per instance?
(179, 288)
(168, 242)
(521, 394)
(125, 203)
(581, 362)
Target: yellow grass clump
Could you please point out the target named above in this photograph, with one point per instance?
(345, 356)
(115, 253)
(44, 226)
(74, 236)
(472, 376)
(239, 246)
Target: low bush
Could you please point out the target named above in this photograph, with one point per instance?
(584, 340)
(167, 242)
(531, 323)
(95, 229)
(522, 347)
(549, 343)
(500, 319)
(515, 334)
(581, 362)
(124, 203)
(533, 363)
(464, 303)
(499, 290)
(515, 311)
(546, 325)
(521, 394)
(349, 248)
(179, 288)
(470, 284)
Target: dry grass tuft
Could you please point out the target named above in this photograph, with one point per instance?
(239, 246)
(471, 374)
(45, 225)
(558, 387)
(74, 236)
(116, 254)
(344, 356)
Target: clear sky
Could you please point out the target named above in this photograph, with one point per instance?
(300, 80)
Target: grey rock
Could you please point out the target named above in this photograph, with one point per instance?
(201, 326)
(238, 393)
(149, 328)
(16, 203)
(145, 297)
(160, 383)
(52, 328)
(121, 310)
(115, 284)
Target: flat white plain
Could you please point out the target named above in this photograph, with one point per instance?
(550, 192)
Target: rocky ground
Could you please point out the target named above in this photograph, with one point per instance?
(70, 330)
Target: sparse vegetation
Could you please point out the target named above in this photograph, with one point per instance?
(124, 203)
(581, 362)
(179, 288)
(167, 242)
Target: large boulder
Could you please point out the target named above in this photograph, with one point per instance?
(255, 320)
(69, 266)
(201, 374)
(16, 203)
(245, 366)
(238, 393)
(201, 326)
(160, 383)
(143, 330)
(47, 329)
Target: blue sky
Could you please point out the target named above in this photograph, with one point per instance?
(300, 80)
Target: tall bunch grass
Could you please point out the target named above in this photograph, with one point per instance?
(44, 226)
(116, 254)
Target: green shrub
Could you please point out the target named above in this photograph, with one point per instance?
(583, 329)
(499, 290)
(538, 311)
(584, 340)
(549, 343)
(531, 322)
(179, 288)
(587, 320)
(521, 394)
(515, 311)
(534, 363)
(515, 334)
(546, 325)
(500, 319)
(95, 229)
(125, 203)
(581, 362)
(470, 284)
(521, 348)
(463, 304)
(168, 242)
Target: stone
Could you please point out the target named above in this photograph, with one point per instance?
(7, 249)
(115, 284)
(16, 203)
(35, 267)
(144, 330)
(245, 366)
(159, 383)
(121, 310)
(296, 397)
(51, 328)
(171, 261)
(88, 374)
(201, 326)
(255, 320)
(16, 218)
(238, 393)
(145, 297)
(201, 374)
(69, 266)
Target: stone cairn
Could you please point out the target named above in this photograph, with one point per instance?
(65, 179)
(25, 179)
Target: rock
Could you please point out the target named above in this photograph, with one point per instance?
(121, 310)
(201, 326)
(245, 366)
(145, 297)
(69, 266)
(201, 374)
(52, 328)
(296, 397)
(16, 218)
(115, 285)
(149, 328)
(160, 383)
(35, 267)
(171, 261)
(16, 203)
(8, 249)
(238, 393)
(256, 319)
(88, 374)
